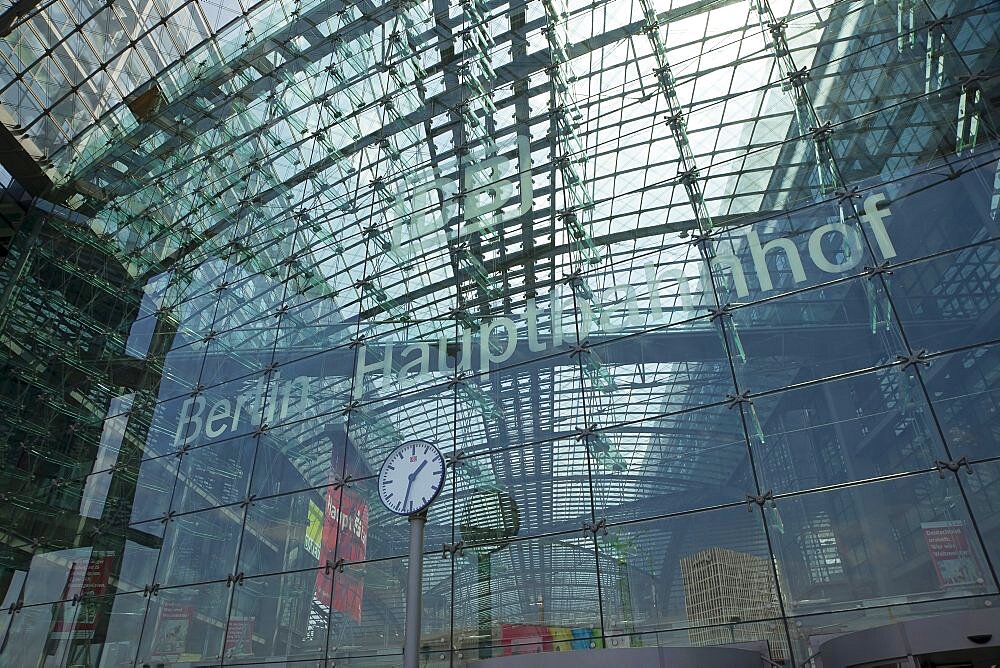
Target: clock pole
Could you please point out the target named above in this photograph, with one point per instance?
(405, 472)
(414, 581)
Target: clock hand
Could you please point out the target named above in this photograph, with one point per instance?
(411, 478)
(406, 497)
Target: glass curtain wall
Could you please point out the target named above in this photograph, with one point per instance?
(699, 300)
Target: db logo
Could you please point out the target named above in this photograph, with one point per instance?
(413, 459)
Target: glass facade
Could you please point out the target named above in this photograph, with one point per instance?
(698, 298)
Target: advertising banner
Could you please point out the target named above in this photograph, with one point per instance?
(89, 580)
(534, 638)
(172, 629)
(562, 638)
(951, 555)
(525, 639)
(346, 513)
(584, 638)
(239, 636)
(314, 530)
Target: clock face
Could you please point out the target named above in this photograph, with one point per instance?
(411, 477)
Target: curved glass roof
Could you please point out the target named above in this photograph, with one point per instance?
(223, 145)
(537, 232)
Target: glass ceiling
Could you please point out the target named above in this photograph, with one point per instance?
(288, 178)
(292, 134)
(335, 144)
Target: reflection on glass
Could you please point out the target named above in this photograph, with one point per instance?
(698, 300)
(902, 540)
(829, 433)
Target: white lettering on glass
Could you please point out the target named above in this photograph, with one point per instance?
(667, 290)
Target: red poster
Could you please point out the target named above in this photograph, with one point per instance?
(525, 639)
(951, 555)
(172, 629)
(346, 512)
(89, 580)
(239, 636)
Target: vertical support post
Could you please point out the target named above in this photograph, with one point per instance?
(414, 585)
(484, 569)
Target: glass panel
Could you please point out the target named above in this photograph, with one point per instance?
(276, 618)
(945, 205)
(213, 475)
(185, 622)
(663, 371)
(813, 334)
(63, 633)
(949, 301)
(125, 617)
(905, 539)
(140, 549)
(983, 488)
(860, 427)
(489, 415)
(503, 608)
(154, 487)
(294, 531)
(377, 426)
(310, 384)
(799, 249)
(368, 605)
(965, 393)
(200, 547)
(677, 463)
(707, 572)
(536, 489)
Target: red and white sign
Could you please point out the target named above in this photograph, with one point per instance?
(525, 639)
(953, 559)
(239, 636)
(346, 512)
(172, 628)
(88, 580)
